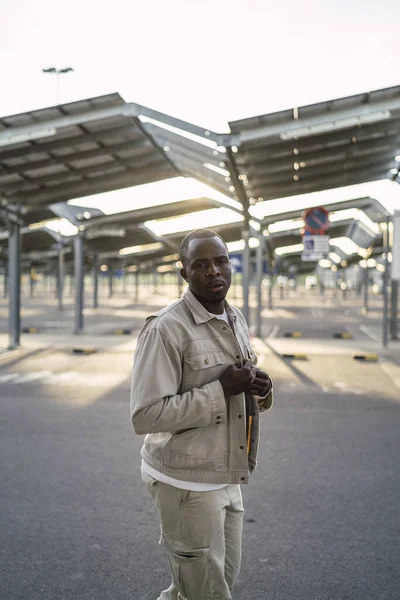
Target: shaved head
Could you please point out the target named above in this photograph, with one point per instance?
(197, 234)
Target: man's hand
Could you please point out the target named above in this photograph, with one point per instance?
(261, 384)
(237, 378)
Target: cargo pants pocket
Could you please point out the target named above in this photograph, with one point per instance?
(190, 567)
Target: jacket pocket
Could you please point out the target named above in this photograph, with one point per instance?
(205, 360)
(204, 367)
(200, 449)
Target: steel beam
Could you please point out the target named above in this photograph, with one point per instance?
(135, 110)
(274, 191)
(356, 141)
(101, 136)
(310, 174)
(79, 282)
(100, 184)
(14, 293)
(131, 165)
(140, 149)
(340, 117)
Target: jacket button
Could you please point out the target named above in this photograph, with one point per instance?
(218, 423)
(205, 361)
(242, 479)
(237, 357)
(219, 416)
(242, 447)
(239, 416)
(224, 328)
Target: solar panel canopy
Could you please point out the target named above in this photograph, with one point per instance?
(56, 154)
(321, 146)
(76, 150)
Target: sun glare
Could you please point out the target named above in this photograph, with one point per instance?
(196, 220)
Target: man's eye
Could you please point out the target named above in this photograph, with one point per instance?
(222, 261)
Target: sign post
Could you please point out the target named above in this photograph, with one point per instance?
(315, 247)
(396, 246)
(315, 240)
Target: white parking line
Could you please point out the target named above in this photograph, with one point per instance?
(370, 333)
(392, 370)
(274, 331)
(67, 378)
(267, 332)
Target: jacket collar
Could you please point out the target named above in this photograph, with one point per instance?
(200, 314)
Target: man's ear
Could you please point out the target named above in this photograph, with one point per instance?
(184, 274)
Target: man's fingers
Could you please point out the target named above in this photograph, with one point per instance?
(261, 386)
(262, 374)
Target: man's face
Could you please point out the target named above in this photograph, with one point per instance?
(208, 269)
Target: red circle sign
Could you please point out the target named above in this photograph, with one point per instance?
(316, 220)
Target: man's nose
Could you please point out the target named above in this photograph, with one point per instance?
(213, 269)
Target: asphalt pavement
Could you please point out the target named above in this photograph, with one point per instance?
(322, 508)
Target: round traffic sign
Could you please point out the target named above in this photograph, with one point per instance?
(316, 220)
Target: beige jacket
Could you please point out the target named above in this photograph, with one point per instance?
(193, 432)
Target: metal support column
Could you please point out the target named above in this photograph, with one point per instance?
(14, 293)
(31, 282)
(394, 309)
(137, 286)
(271, 285)
(260, 258)
(246, 273)
(95, 273)
(155, 282)
(344, 282)
(366, 289)
(79, 282)
(270, 262)
(5, 281)
(242, 195)
(359, 282)
(71, 285)
(321, 281)
(60, 278)
(179, 276)
(386, 286)
(110, 281)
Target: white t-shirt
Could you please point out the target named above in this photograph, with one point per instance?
(193, 486)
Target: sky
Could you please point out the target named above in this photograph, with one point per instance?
(204, 61)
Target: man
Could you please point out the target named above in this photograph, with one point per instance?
(197, 394)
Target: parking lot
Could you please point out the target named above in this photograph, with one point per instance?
(321, 519)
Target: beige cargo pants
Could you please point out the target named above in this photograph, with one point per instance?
(202, 535)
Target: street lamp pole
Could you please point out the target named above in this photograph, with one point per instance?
(57, 73)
